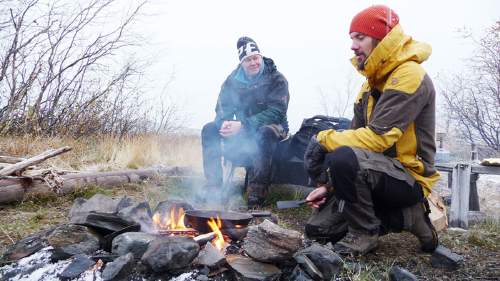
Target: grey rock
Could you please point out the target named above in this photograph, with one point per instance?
(69, 240)
(26, 246)
(400, 274)
(103, 223)
(268, 242)
(325, 260)
(444, 258)
(308, 266)
(170, 253)
(119, 268)
(250, 270)
(98, 203)
(140, 214)
(132, 242)
(79, 265)
(210, 256)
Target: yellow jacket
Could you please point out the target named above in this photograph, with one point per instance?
(394, 113)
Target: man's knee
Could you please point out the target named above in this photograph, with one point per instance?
(209, 130)
(342, 160)
(268, 133)
(345, 167)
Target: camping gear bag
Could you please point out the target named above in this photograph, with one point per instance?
(288, 159)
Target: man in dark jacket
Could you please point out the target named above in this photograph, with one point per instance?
(374, 178)
(250, 120)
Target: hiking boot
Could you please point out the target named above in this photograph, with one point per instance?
(416, 221)
(358, 243)
(326, 225)
(254, 202)
(256, 195)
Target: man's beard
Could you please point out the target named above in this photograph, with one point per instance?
(361, 64)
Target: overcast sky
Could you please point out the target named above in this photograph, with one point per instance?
(308, 40)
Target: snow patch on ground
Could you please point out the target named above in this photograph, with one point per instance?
(34, 267)
(188, 276)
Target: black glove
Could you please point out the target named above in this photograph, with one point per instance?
(313, 161)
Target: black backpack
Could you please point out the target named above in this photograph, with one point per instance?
(288, 160)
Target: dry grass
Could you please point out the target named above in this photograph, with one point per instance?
(108, 153)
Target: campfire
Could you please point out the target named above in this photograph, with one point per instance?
(219, 241)
(177, 237)
(172, 223)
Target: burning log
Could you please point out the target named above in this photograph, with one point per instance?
(219, 241)
(204, 238)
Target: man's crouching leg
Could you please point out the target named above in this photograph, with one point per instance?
(326, 224)
(371, 184)
(355, 201)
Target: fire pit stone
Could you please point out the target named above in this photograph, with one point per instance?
(119, 268)
(253, 270)
(210, 256)
(133, 242)
(170, 253)
(97, 203)
(70, 239)
(268, 242)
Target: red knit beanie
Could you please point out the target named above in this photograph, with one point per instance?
(375, 21)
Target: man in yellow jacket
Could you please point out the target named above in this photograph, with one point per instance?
(374, 178)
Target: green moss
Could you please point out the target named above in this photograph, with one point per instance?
(490, 225)
(87, 192)
(38, 217)
(366, 272)
(133, 166)
(35, 201)
(483, 239)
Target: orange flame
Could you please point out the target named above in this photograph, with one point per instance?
(174, 221)
(218, 242)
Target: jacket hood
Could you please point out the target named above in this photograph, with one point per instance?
(395, 49)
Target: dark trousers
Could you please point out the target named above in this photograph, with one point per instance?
(248, 148)
(370, 191)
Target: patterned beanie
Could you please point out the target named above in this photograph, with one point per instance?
(247, 47)
(375, 21)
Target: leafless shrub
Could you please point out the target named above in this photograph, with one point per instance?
(339, 103)
(472, 98)
(60, 71)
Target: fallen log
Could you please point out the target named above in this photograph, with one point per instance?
(16, 189)
(33, 161)
(10, 159)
